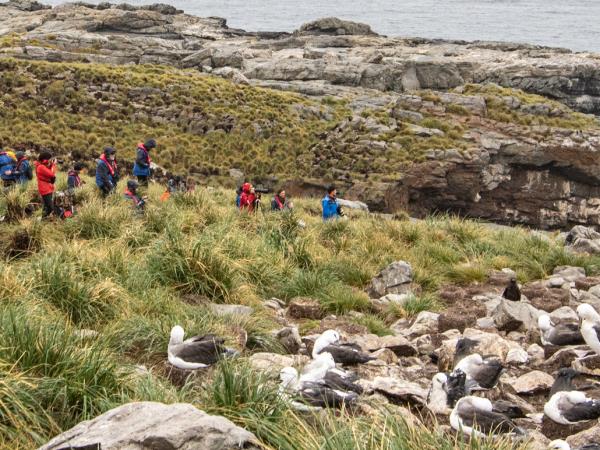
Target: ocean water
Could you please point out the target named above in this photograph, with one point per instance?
(573, 24)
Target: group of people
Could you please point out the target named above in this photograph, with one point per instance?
(249, 199)
(15, 168)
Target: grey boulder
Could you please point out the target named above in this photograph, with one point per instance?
(151, 425)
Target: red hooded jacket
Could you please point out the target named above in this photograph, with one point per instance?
(46, 175)
(247, 198)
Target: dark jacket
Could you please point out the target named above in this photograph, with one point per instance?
(107, 174)
(141, 168)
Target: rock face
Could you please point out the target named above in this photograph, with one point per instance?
(155, 425)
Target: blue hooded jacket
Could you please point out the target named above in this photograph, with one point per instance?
(7, 164)
(330, 208)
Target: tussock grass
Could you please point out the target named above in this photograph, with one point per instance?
(132, 277)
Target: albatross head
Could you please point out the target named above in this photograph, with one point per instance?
(439, 381)
(559, 444)
(587, 312)
(327, 338)
(177, 335)
(544, 322)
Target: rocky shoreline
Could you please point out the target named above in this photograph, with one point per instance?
(313, 60)
(500, 170)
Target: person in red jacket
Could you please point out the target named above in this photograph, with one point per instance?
(248, 198)
(45, 171)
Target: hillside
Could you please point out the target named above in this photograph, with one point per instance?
(472, 151)
(87, 305)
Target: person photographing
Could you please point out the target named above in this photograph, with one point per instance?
(45, 171)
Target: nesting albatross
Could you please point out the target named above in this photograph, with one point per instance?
(558, 334)
(196, 352)
(349, 354)
(571, 407)
(319, 395)
(474, 416)
(445, 390)
(559, 444)
(590, 326)
(322, 370)
(481, 373)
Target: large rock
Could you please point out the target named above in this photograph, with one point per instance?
(590, 365)
(273, 362)
(334, 26)
(146, 425)
(583, 239)
(589, 436)
(305, 308)
(533, 382)
(426, 322)
(394, 279)
(289, 338)
(398, 391)
(513, 316)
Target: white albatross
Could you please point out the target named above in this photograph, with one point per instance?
(571, 407)
(322, 370)
(196, 352)
(349, 354)
(590, 326)
(445, 390)
(313, 395)
(559, 444)
(481, 373)
(558, 334)
(474, 416)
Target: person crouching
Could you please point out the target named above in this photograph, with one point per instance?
(131, 194)
(45, 171)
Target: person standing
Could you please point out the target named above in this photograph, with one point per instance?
(107, 171)
(280, 202)
(247, 198)
(8, 162)
(331, 208)
(45, 171)
(23, 170)
(141, 167)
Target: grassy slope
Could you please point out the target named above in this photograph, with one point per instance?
(126, 277)
(207, 125)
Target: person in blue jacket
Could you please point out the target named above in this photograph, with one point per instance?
(331, 208)
(7, 168)
(141, 167)
(107, 172)
(23, 170)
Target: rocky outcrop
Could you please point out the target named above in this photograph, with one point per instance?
(318, 57)
(155, 425)
(334, 26)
